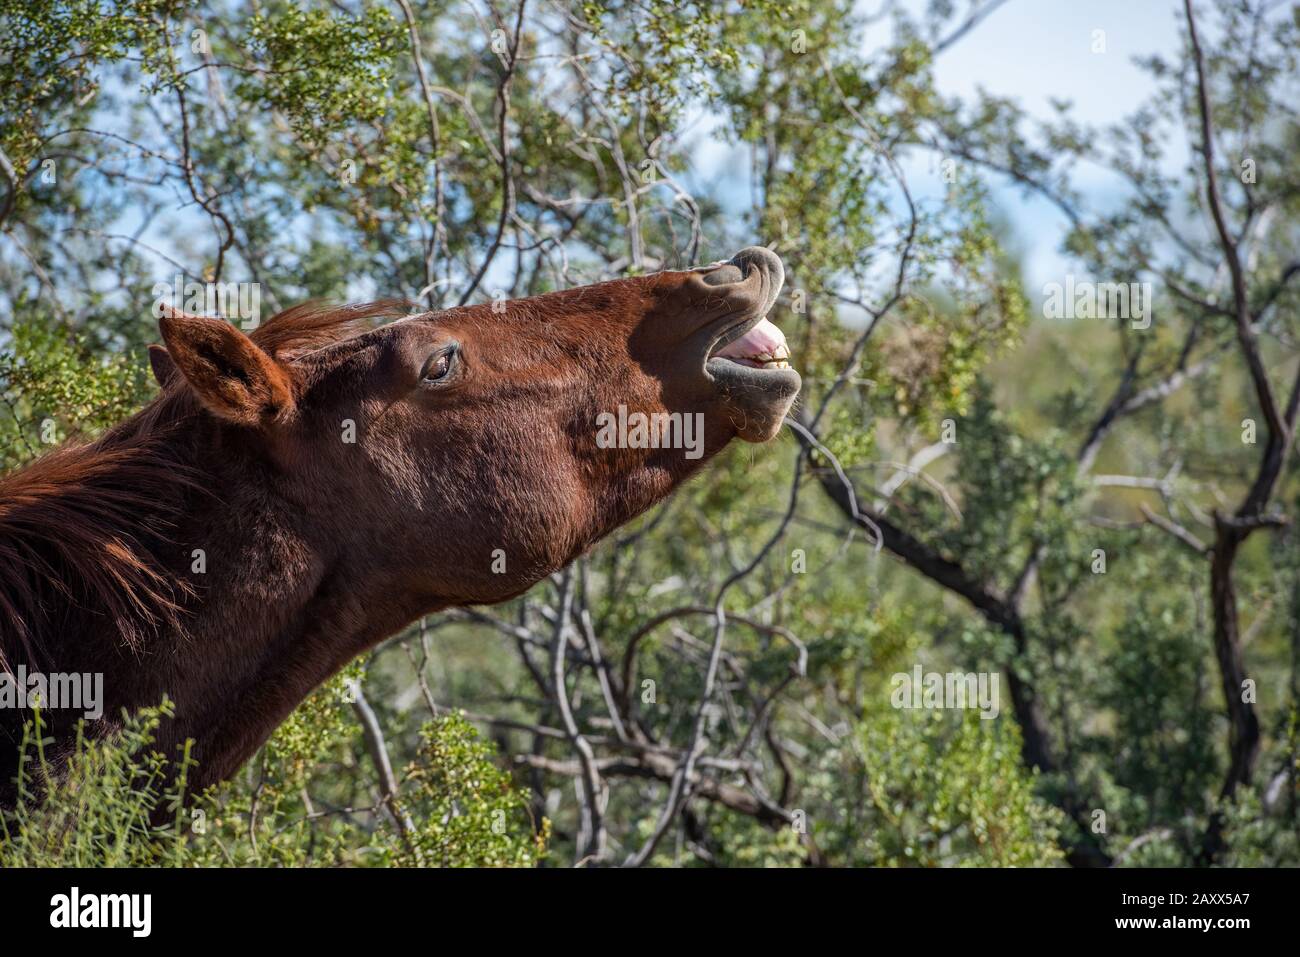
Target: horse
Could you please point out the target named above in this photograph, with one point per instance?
(297, 493)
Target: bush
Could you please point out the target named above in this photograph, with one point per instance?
(105, 808)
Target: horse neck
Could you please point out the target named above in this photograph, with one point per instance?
(264, 612)
(283, 604)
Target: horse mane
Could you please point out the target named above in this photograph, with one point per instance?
(81, 527)
(315, 324)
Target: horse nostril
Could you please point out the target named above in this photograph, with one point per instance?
(739, 267)
(763, 258)
(724, 275)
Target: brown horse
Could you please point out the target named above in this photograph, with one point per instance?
(296, 495)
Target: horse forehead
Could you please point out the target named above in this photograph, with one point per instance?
(580, 310)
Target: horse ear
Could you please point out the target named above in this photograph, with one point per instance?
(231, 376)
(164, 369)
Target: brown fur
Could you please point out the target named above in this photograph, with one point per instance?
(316, 549)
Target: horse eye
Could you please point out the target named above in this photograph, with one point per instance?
(437, 367)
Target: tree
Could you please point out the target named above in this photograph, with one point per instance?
(967, 486)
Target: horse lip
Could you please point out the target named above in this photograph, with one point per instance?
(729, 375)
(732, 333)
(773, 270)
(718, 367)
(742, 382)
(756, 401)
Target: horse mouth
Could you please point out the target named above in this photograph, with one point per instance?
(750, 366)
(753, 341)
(749, 360)
(756, 343)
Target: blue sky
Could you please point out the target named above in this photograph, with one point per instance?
(1030, 50)
(1038, 50)
(1033, 51)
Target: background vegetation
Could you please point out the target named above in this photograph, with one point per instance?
(1071, 504)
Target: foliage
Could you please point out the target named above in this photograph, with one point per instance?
(324, 150)
(55, 385)
(944, 795)
(465, 804)
(120, 803)
(101, 813)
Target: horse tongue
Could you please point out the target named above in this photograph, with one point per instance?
(763, 338)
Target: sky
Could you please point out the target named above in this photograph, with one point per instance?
(1030, 50)
(1039, 50)
(1033, 51)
